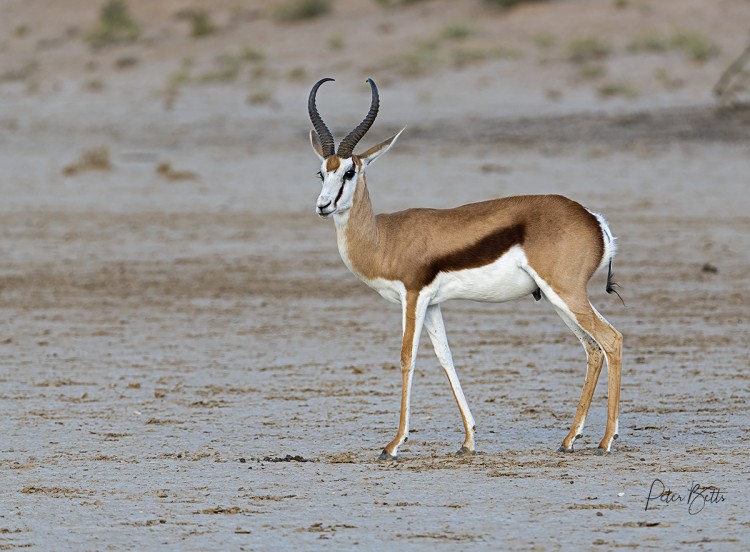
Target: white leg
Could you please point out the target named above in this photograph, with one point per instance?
(436, 329)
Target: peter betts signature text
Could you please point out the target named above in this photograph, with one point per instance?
(696, 498)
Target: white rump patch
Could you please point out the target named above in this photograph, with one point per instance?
(610, 244)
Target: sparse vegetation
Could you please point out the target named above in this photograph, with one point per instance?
(336, 42)
(226, 69)
(32, 87)
(434, 53)
(648, 43)
(115, 26)
(508, 3)
(614, 89)
(464, 56)
(21, 73)
(668, 82)
(693, 44)
(199, 20)
(182, 75)
(93, 159)
(544, 41)
(297, 73)
(165, 169)
(300, 10)
(260, 71)
(200, 24)
(261, 96)
(175, 80)
(588, 49)
(696, 46)
(250, 55)
(126, 62)
(419, 59)
(395, 3)
(592, 70)
(457, 31)
(93, 84)
(553, 94)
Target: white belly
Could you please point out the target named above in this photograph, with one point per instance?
(503, 280)
(391, 290)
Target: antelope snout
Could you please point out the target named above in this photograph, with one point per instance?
(324, 209)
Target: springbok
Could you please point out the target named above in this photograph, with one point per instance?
(493, 251)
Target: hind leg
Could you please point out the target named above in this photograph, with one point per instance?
(594, 362)
(601, 341)
(610, 341)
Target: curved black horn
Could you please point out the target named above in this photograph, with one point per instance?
(325, 136)
(346, 147)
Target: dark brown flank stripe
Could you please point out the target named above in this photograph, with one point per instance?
(485, 251)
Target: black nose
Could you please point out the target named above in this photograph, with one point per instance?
(321, 207)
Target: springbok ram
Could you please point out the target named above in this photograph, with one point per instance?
(495, 251)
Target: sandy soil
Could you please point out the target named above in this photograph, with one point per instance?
(187, 364)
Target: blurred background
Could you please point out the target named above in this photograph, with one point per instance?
(151, 71)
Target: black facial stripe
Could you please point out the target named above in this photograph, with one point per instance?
(338, 196)
(344, 180)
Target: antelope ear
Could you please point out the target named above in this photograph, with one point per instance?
(316, 145)
(374, 152)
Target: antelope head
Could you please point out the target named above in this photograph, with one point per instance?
(342, 170)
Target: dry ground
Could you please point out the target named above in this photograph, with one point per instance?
(187, 364)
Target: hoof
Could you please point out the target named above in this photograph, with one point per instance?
(464, 451)
(564, 449)
(602, 452)
(384, 456)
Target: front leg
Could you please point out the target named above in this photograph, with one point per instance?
(414, 306)
(436, 330)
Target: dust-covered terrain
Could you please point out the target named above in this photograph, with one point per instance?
(187, 364)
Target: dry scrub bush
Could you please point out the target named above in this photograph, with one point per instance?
(115, 25)
(93, 159)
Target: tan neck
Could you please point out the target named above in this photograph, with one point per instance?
(357, 233)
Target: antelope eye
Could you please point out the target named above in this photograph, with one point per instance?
(319, 175)
(349, 174)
